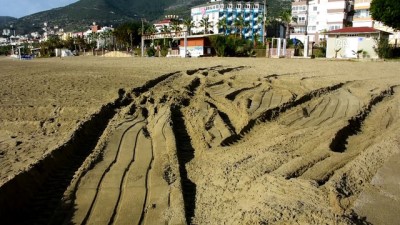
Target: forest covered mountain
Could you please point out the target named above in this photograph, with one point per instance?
(79, 15)
(5, 20)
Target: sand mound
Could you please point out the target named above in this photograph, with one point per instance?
(117, 54)
(235, 141)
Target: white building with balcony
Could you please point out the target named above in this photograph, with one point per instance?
(362, 18)
(251, 11)
(314, 17)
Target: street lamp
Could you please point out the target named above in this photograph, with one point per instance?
(142, 42)
(264, 20)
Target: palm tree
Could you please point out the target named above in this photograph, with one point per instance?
(151, 29)
(129, 31)
(223, 25)
(239, 24)
(100, 41)
(165, 30)
(188, 23)
(264, 23)
(205, 23)
(176, 27)
(286, 18)
(92, 40)
(108, 35)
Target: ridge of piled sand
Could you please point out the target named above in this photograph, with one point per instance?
(203, 141)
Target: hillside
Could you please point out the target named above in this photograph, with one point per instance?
(4, 20)
(79, 15)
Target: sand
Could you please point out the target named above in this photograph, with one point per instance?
(93, 140)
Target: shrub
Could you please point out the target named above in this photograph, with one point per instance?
(383, 48)
(151, 52)
(231, 46)
(164, 51)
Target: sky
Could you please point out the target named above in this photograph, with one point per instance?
(20, 8)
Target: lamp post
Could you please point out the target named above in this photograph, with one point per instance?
(142, 39)
(264, 20)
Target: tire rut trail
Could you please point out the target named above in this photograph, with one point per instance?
(151, 156)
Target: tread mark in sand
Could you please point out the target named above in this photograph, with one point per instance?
(272, 114)
(105, 173)
(353, 127)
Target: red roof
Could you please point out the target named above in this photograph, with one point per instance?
(164, 21)
(353, 30)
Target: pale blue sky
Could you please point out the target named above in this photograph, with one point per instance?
(20, 8)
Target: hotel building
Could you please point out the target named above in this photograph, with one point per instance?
(216, 10)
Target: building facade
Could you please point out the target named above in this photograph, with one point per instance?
(315, 17)
(216, 10)
(363, 18)
(353, 42)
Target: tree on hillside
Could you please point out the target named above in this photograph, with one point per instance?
(387, 12)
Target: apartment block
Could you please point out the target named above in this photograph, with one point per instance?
(217, 10)
(363, 18)
(314, 17)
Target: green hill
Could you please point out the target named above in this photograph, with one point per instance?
(5, 20)
(78, 16)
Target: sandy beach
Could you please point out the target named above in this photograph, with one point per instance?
(96, 140)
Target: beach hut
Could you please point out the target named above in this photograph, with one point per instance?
(197, 46)
(346, 42)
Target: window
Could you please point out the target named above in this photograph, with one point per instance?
(362, 13)
(301, 30)
(315, 8)
(334, 27)
(312, 28)
(301, 19)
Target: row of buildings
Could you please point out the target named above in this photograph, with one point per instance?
(316, 17)
(311, 18)
(101, 34)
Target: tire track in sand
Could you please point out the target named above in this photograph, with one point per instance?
(103, 182)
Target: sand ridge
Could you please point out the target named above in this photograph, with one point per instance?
(211, 141)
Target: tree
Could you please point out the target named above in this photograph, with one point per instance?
(108, 37)
(205, 23)
(188, 23)
(265, 23)
(387, 12)
(286, 18)
(151, 29)
(240, 24)
(127, 34)
(222, 24)
(176, 27)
